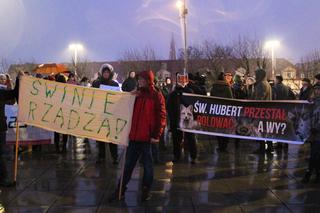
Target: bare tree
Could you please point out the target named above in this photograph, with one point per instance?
(250, 54)
(4, 65)
(139, 59)
(310, 64)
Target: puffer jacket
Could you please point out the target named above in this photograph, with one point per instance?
(149, 113)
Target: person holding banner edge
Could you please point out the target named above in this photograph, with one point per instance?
(179, 137)
(107, 73)
(5, 95)
(148, 123)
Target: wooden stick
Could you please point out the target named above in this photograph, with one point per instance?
(122, 172)
(15, 171)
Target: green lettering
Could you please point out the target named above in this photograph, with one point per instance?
(36, 90)
(45, 114)
(50, 92)
(70, 118)
(64, 94)
(106, 103)
(32, 108)
(105, 123)
(92, 98)
(120, 129)
(89, 122)
(76, 95)
(60, 116)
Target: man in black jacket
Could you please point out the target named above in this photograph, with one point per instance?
(173, 106)
(5, 95)
(107, 73)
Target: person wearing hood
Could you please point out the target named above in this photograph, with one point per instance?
(130, 83)
(314, 138)
(148, 123)
(262, 91)
(105, 78)
(222, 89)
(173, 103)
(306, 89)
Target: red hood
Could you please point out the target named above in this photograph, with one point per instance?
(148, 76)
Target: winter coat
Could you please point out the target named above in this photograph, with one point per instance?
(238, 91)
(305, 94)
(221, 89)
(129, 84)
(173, 103)
(149, 113)
(262, 89)
(6, 97)
(282, 92)
(197, 89)
(103, 81)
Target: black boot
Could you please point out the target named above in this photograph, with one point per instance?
(145, 196)
(306, 177)
(115, 195)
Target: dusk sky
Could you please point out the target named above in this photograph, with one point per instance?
(41, 30)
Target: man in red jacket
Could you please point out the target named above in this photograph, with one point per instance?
(148, 123)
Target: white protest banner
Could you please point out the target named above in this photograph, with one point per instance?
(80, 111)
(28, 135)
(105, 87)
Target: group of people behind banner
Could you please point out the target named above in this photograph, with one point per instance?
(157, 102)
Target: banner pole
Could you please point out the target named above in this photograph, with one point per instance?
(15, 171)
(122, 171)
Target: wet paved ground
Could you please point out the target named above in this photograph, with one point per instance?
(237, 181)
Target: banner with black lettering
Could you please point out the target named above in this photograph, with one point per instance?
(280, 121)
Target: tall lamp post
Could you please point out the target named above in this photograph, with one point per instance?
(181, 5)
(75, 47)
(272, 45)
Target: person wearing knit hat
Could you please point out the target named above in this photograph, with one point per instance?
(106, 78)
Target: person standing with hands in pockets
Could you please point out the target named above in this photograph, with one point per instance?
(148, 123)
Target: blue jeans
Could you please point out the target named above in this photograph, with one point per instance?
(135, 149)
(3, 169)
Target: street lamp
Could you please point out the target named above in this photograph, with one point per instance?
(181, 5)
(272, 45)
(75, 47)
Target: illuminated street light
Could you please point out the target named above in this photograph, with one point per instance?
(181, 5)
(75, 47)
(272, 45)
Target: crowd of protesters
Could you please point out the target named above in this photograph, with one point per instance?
(161, 102)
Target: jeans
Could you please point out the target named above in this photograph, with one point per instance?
(134, 150)
(3, 168)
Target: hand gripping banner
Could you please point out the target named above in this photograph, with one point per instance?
(280, 121)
